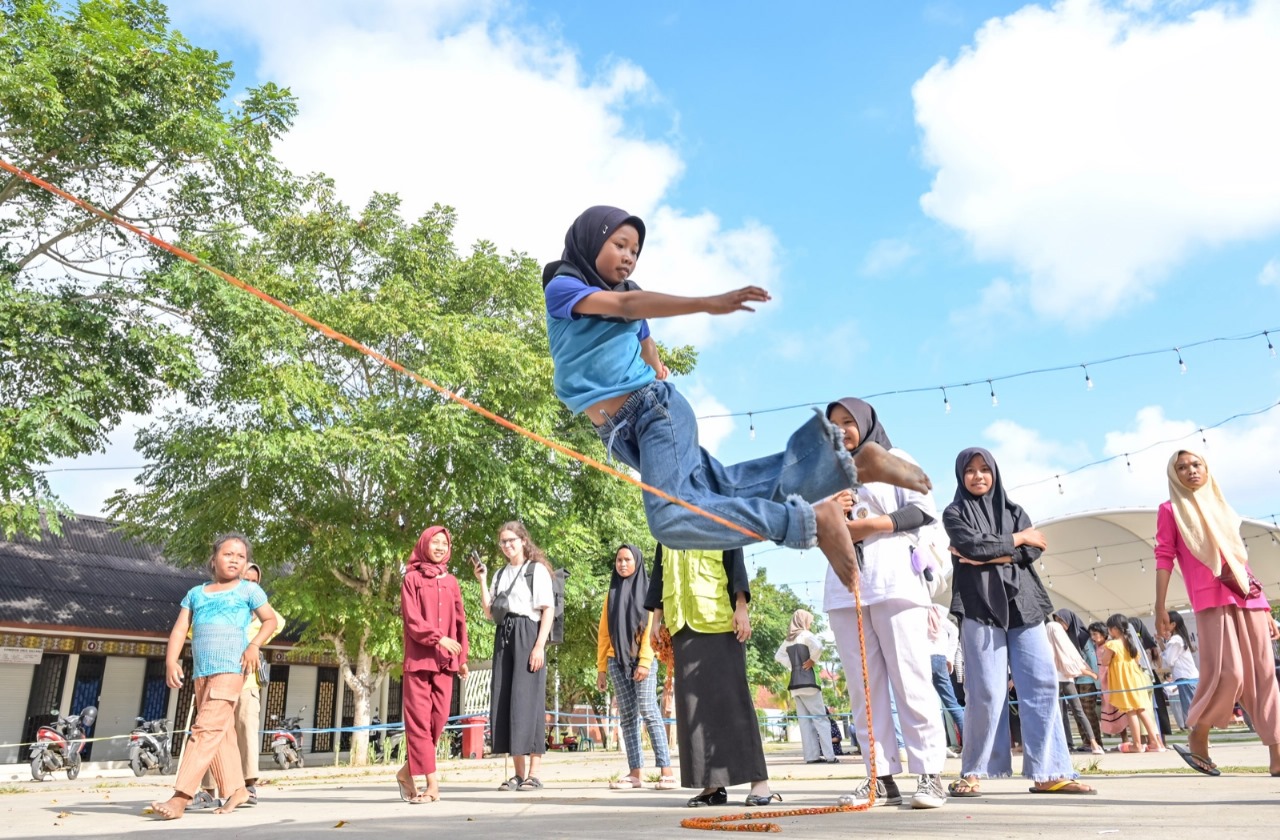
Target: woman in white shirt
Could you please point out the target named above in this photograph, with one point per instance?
(800, 653)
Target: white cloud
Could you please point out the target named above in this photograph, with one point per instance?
(1270, 274)
(713, 430)
(469, 105)
(886, 256)
(1242, 455)
(1095, 148)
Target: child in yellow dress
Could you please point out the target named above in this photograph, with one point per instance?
(1129, 684)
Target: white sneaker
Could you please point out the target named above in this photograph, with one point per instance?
(929, 792)
(952, 753)
(862, 793)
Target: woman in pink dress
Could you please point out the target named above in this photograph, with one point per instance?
(1201, 531)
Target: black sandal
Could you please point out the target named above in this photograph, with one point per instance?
(754, 801)
(1197, 762)
(530, 783)
(511, 784)
(719, 796)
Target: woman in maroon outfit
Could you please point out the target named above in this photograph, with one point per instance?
(435, 648)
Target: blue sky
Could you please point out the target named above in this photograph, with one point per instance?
(936, 192)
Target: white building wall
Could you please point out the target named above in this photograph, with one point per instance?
(302, 692)
(118, 705)
(15, 689)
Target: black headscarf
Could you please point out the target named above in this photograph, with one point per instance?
(582, 244)
(627, 615)
(1075, 628)
(869, 428)
(988, 522)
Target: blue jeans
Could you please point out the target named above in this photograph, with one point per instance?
(990, 653)
(947, 692)
(638, 703)
(656, 433)
(1186, 693)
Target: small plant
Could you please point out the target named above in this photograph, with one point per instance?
(1091, 766)
(10, 789)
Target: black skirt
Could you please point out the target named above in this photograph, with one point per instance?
(517, 697)
(716, 724)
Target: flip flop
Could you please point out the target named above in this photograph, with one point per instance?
(626, 783)
(1062, 787)
(1198, 763)
(963, 787)
(669, 783)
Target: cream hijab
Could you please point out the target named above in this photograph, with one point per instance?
(1209, 526)
(801, 620)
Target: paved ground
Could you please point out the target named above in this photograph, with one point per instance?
(1140, 796)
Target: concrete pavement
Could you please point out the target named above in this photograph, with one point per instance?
(1140, 796)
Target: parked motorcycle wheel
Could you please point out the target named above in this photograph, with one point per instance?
(73, 770)
(168, 766)
(299, 760)
(281, 761)
(135, 762)
(37, 768)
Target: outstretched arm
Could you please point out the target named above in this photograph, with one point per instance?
(641, 304)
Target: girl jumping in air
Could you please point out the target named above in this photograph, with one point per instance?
(607, 367)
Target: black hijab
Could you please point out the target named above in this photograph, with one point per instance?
(1075, 628)
(869, 428)
(992, 512)
(627, 615)
(582, 244)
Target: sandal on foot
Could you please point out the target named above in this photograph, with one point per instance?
(754, 801)
(203, 800)
(530, 783)
(626, 783)
(669, 783)
(1198, 762)
(964, 787)
(1067, 786)
(511, 784)
(719, 796)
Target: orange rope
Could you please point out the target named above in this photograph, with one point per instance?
(371, 353)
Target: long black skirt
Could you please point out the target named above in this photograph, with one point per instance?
(716, 724)
(517, 696)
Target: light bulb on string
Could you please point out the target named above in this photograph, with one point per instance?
(1142, 565)
(1127, 462)
(994, 400)
(1051, 583)
(946, 403)
(1182, 366)
(1270, 347)
(1204, 439)
(752, 430)
(1095, 575)
(1098, 556)
(1088, 381)
(1061, 492)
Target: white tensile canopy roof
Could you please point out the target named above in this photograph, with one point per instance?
(1125, 579)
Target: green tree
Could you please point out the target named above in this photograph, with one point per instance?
(334, 464)
(106, 101)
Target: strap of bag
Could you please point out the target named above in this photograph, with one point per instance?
(514, 580)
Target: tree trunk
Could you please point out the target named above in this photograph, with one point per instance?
(361, 681)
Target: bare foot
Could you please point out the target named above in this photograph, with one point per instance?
(233, 801)
(171, 809)
(432, 793)
(1198, 742)
(834, 541)
(874, 463)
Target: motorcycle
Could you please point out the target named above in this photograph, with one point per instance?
(384, 743)
(286, 741)
(149, 746)
(59, 744)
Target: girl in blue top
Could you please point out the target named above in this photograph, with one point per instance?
(218, 616)
(607, 367)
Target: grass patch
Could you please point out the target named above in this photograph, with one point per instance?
(11, 789)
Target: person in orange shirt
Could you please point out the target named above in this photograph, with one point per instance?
(624, 654)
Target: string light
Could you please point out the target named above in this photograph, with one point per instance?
(1270, 347)
(1050, 583)
(1088, 382)
(946, 403)
(752, 431)
(1204, 439)
(1095, 575)
(1098, 555)
(1126, 462)
(1017, 375)
(1142, 564)
(994, 401)
(1060, 490)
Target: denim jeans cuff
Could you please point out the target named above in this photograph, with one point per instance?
(802, 524)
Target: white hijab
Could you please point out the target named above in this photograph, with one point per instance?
(1209, 526)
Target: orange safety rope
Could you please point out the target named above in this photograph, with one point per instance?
(373, 354)
(710, 823)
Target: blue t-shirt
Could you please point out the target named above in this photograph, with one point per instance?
(219, 621)
(595, 359)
